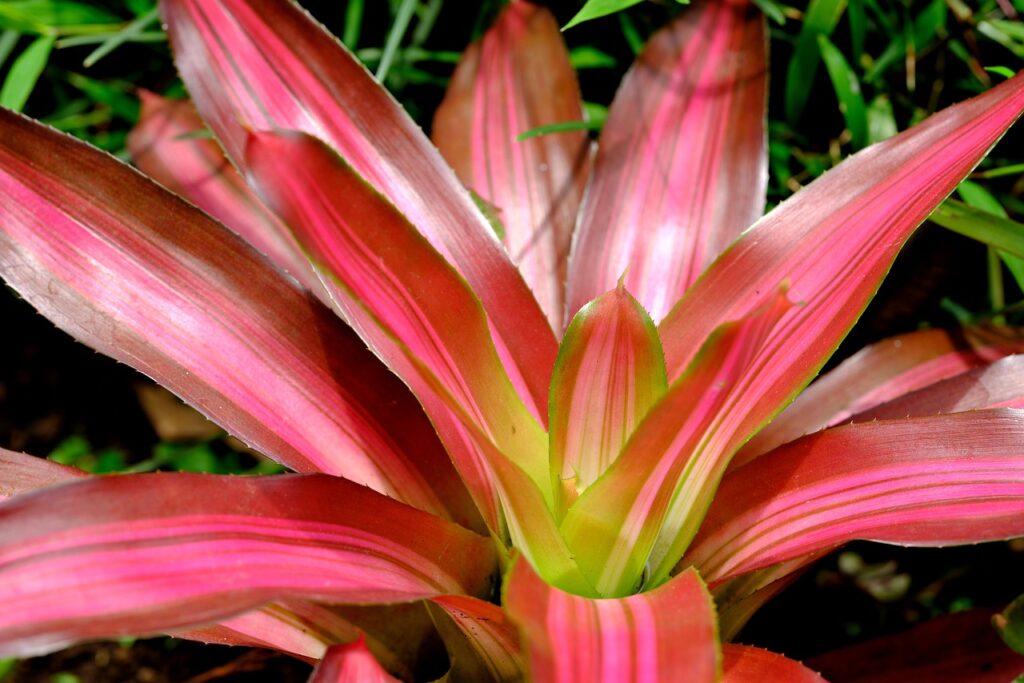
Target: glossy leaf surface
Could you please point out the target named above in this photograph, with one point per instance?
(666, 633)
(134, 272)
(681, 166)
(945, 480)
(516, 79)
(255, 65)
(139, 554)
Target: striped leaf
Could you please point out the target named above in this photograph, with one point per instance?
(482, 643)
(167, 145)
(134, 272)
(516, 79)
(935, 481)
(609, 373)
(666, 634)
(681, 168)
(21, 473)
(262, 64)
(880, 373)
(111, 556)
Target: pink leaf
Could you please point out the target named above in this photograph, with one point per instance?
(880, 373)
(609, 372)
(935, 481)
(835, 240)
(668, 633)
(134, 272)
(165, 147)
(681, 168)
(745, 664)
(951, 649)
(261, 64)
(394, 287)
(352, 663)
(516, 79)
(140, 554)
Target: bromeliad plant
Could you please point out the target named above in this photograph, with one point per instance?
(444, 433)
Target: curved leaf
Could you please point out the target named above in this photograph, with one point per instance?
(609, 373)
(880, 373)
(637, 519)
(668, 633)
(138, 554)
(517, 79)
(261, 64)
(681, 166)
(951, 649)
(352, 663)
(951, 479)
(835, 240)
(482, 643)
(134, 272)
(393, 286)
(745, 664)
(165, 146)
(21, 473)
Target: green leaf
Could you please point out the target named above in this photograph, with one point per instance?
(131, 30)
(595, 9)
(821, 19)
(25, 71)
(1010, 624)
(589, 57)
(847, 87)
(772, 10)
(993, 230)
(1003, 71)
(881, 120)
(560, 127)
(55, 17)
(977, 196)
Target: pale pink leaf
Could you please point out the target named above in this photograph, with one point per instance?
(681, 166)
(516, 79)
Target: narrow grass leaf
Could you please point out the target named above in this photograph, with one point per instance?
(847, 88)
(24, 73)
(820, 19)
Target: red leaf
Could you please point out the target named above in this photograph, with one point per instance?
(745, 664)
(21, 473)
(951, 649)
(352, 663)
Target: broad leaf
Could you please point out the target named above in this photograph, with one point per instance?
(951, 649)
(668, 633)
(260, 64)
(167, 145)
(517, 79)
(745, 664)
(136, 273)
(681, 167)
(951, 479)
(482, 643)
(609, 372)
(352, 663)
(879, 373)
(140, 554)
